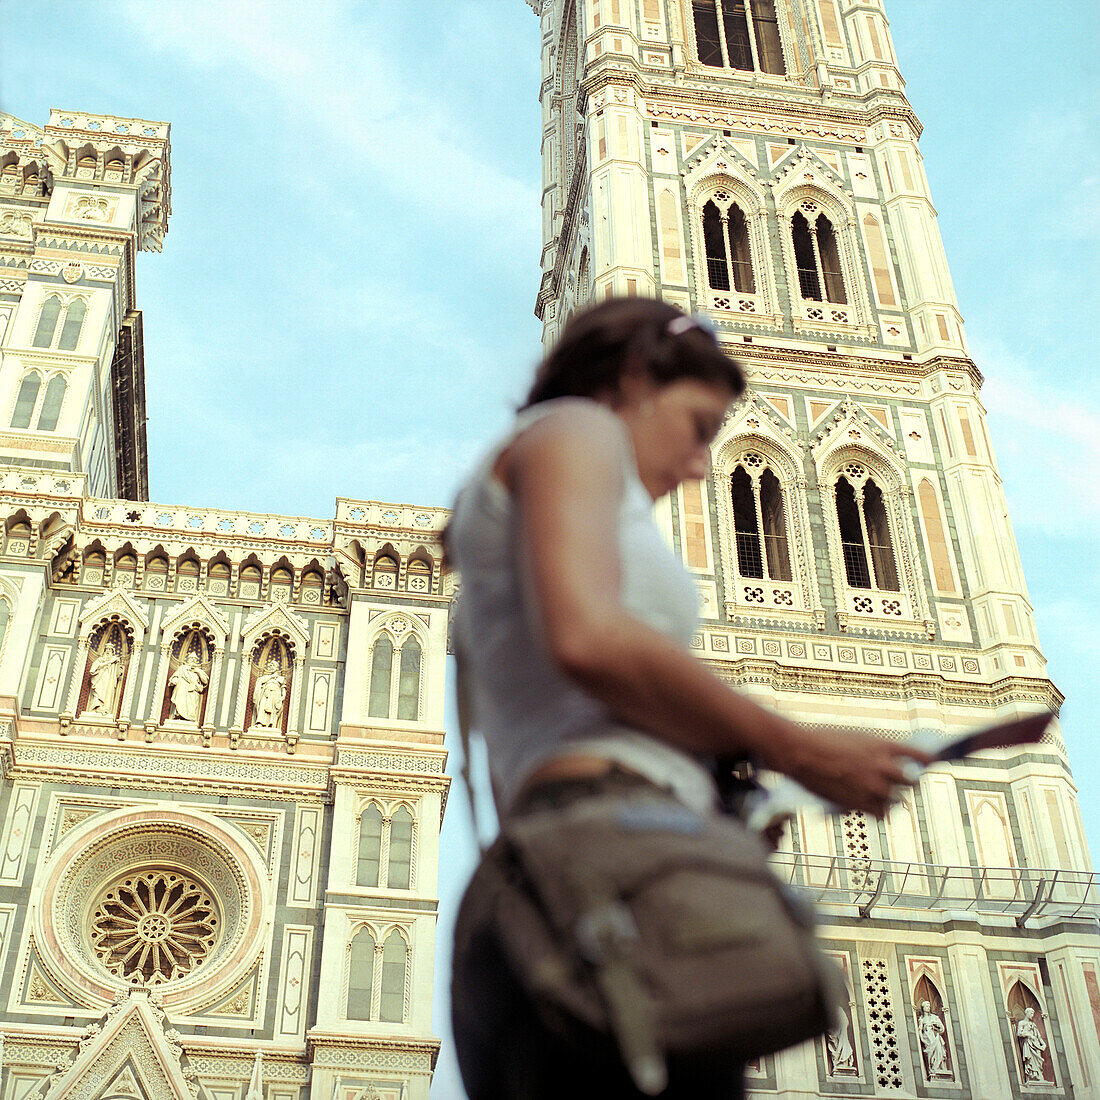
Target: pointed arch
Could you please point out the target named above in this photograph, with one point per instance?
(362, 952)
(74, 323)
(369, 859)
(395, 962)
(47, 322)
(821, 247)
(730, 235)
(26, 400)
(381, 674)
(219, 574)
(156, 570)
(51, 404)
(385, 569)
(190, 665)
(408, 683)
(764, 523)
(108, 659)
(400, 864)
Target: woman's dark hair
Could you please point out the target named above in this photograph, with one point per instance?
(597, 347)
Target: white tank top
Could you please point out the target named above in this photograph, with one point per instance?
(525, 709)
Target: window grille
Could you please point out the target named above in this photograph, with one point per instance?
(866, 545)
(738, 34)
(817, 258)
(760, 530)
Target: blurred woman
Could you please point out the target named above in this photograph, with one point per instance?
(573, 625)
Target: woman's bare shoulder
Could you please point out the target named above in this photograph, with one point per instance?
(575, 439)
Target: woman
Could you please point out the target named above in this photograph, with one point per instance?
(573, 628)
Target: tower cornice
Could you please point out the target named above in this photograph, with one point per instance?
(798, 112)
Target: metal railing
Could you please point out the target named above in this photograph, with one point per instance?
(1019, 892)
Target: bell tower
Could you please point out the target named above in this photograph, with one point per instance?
(758, 161)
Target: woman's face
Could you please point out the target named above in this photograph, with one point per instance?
(672, 427)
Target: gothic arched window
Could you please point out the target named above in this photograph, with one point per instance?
(817, 259)
(399, 870)
(391, 1003)
(369, 862)
(5, 616)
(26, 400)
(394, 690)
(74, 322)
(381, 673)
(361, 976)
(866, 543)
(47, 322)
(726, 240)
(759, 521)
(738, 34)
(393, 836)
(46, 332)
(50, 412)
(408, 683)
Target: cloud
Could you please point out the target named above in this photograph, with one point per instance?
(1047, 435)
(318, 62)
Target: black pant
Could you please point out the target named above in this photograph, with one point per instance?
(505, 1051)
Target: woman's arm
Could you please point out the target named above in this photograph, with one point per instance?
(565, 477)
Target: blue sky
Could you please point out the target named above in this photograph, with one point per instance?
(343, 304)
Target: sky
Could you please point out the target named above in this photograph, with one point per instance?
(344, 301)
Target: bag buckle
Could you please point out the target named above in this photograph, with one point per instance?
(605, 930)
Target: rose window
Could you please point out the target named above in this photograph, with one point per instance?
(156, 926)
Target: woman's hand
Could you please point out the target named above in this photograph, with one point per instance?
(857, 771)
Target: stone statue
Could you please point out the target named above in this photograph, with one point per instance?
(104, 677)
(1032, 1046)
(267, 697)
(187, 684)
(841, 1054)
(930, 1032)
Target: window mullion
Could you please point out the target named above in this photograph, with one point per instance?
(863, 535)
(760, 528)
(384, 854)
(817, 262)
(725, 216)
(395, 682)
(376, 982)
(722, 34)
(750, 20)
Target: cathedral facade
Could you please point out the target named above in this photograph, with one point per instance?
(758, 161)
(220, 732)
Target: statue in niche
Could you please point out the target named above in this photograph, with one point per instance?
(842, 1057)
(105, 674)
(268, 696)
(1032, 1046)
(930, 1031)
(187, 684)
